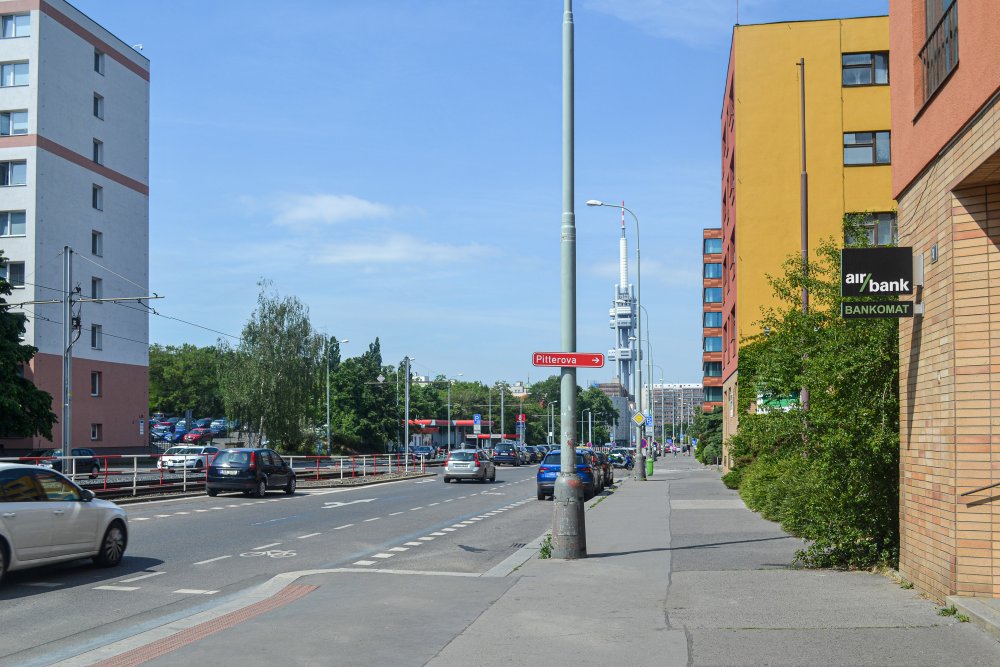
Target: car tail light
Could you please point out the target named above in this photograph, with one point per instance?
(545, 469)
(253, 460)
(475, 459)
(447, 460)
(587, 470)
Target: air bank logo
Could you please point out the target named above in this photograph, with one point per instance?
(868, 286)
(876, 271)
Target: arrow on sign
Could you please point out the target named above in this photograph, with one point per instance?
(336, 503)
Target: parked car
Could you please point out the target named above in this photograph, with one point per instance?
(48, 519)
(83, 461)
(551, 466)
(535, 453)
(469, 464)
(203, 423)
(219, 428)
(507, 453)
(199, 435)
(197, 458)
(607, 469)
(252, 471)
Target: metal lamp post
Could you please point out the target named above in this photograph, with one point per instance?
(451, 381)
(329, 442)
(640, 468)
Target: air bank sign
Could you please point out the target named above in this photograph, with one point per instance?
(876, 272)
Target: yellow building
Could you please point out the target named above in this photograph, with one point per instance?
(848, 155)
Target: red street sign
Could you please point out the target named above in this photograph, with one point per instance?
(522, 417)
(568, 359)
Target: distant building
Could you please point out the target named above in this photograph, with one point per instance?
(711, 335)
(847, 128)
(672, 407)
(946, 177)
(74, 171)
(620, 431)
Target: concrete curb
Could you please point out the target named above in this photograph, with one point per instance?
(979, 611)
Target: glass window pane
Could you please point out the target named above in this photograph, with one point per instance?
(882, 148)
(713, 246)
(15, 274)
(19, 122)
(881, 68)
(857, 76)
(857, 155)
(23, 24)
(857, 58)
(5, 124)
(713, 295)
(6, 75)
(854, 138)
(18, 224)
(18, 173)
(713, 270)
(713, 320)
(21, 74)
(8, 26)
(713, 344)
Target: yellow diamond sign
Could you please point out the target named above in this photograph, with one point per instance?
(639, 419)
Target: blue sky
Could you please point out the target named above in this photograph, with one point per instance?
(396, 165)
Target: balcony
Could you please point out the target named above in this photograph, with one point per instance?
(939, 56)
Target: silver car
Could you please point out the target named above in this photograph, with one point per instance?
(46, 519)
(469, 464)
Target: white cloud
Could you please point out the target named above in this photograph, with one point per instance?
(293, 209)
(688, 21)
(399, 249)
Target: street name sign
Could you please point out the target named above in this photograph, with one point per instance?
(568, 359)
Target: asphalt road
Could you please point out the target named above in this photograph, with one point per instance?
(187, 554)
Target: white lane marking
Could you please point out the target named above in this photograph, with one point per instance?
(43, 584)
(179, 513)
(264, 546)
(212, 560)
(413, 544)
(194, 591)
(448, 530)
(116, 588)
(333, 504)
(202, 510)
(228, 506)
(462, 497)
(140, 518)
(374, 518)
(141, 576)
(395, 513)
(414, 509)
(449, 500)
(275, 500)
(382, 555)
(424, 481)
(468, 523)
(433, 504)
(425, 539)
(364, 562)
(458, 525)
(346, 525)
(162, 516)
(302, 537)
(218, 508)
(398, 549)
(438, 534)
(244, 504)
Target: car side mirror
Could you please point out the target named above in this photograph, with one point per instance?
(87, 495)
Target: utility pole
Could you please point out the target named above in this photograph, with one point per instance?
(804, 204)
(67, 389)
(569, 537)
(406, 417)
(503, 426)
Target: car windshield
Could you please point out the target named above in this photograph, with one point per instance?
(175, 451)
(239, 458)
(463, 456)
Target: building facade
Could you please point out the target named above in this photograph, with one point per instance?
(847, 134)
(74, 152)
(672, 406)
(946, 178)
(711, 337)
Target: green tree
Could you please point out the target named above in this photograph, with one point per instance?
(830, 473)
(185, 378)
(364, 413)
(707, 428)
(25, 410)
(268, 379)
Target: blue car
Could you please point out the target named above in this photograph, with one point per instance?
(551, 466)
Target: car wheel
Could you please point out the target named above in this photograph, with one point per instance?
(447, 480)
(290, 487)
(199, 464)
(212, 492)
(3, 559)
(95, 470)
(493, 475)
(541, 496)
(261, 489)
(112, 546)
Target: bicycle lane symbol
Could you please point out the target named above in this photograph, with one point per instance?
(277, 553)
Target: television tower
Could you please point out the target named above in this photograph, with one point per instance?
(623, 318)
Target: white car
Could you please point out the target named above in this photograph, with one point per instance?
(45, 518)
(195, 458)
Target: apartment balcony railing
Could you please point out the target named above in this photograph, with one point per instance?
(940, 53)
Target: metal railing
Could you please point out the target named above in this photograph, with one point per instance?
(940, 53)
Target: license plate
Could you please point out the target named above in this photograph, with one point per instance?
(230, 472)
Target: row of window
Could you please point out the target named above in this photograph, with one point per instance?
(15, 172)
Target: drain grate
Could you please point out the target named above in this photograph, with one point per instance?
(518, 545)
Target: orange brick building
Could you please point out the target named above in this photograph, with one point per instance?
(711, 318)
(945, 87)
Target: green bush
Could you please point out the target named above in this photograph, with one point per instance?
(732, 478)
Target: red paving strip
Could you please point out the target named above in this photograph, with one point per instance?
(163, 646)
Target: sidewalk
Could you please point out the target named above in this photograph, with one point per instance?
(679, 573)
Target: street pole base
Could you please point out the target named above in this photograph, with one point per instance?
(639, 473)
(569, 530)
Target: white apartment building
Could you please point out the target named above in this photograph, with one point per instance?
(74, 170)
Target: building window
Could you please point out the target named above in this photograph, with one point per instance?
(96, 431)
(98, 151)
(96, 288)
(732, 407)
(866, 148)
(95, 383)
(13, 74)
(14, 173)
(713, 295)
(96, 243)
(16, 25)
(13, 273)
(13, 223)
(98, 106)
(880, 228)
(97, 197)
(713, 246)
(13, 122)
(865, 69)
(713, 270)
(98, 62)
(713, 320)
(713, 343)
(713, 369)
(713, 394)
(96, 337)
(939, 55)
